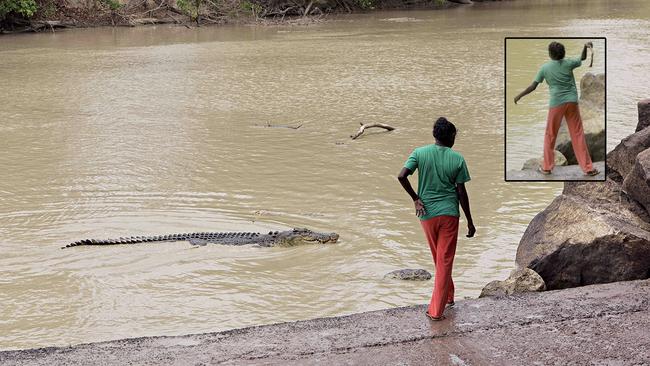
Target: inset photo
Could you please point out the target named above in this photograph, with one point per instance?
(555, 109)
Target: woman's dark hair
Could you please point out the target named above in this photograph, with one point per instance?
(556, 50)
(444, 131)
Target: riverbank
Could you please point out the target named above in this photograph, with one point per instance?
(598, 324)
(52, 15)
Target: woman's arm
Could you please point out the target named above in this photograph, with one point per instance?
(583, 56)
(526, 91)
(464, 204)
(403, 178)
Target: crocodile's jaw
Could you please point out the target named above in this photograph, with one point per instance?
(321, 239)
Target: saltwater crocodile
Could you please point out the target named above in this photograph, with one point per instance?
(273, 238)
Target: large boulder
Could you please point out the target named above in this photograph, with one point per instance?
(644, 115)
(622, 158)
(596, 232)
(637, 182)
(534, 163)
(592, 111)
(521, 280)
(592, 233)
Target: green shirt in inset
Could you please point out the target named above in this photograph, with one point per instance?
(439, 170)
(559, 77)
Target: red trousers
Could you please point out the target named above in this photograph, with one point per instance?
(442, 234)
(571, 112)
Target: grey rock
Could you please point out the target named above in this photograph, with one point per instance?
(592, 111)
(521, 280)
(621, 159)
(534, 163)
(637, 182)
(594, 130)
(592, 233)
(592, 90)
(644, 115)
(409, 274)
(607, 195)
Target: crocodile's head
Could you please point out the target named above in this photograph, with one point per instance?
(299, 236)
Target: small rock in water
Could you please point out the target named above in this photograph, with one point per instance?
(534, 163)
(409, 274)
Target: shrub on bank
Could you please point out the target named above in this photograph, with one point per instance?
(25, 8)
(106, 12)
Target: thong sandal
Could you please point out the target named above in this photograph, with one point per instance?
(451, 304)
(439, 318)
(592, 172)
(545, 172)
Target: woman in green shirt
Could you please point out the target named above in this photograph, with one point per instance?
(442, 174)
(563, 103)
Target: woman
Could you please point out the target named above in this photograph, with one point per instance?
(563, 103)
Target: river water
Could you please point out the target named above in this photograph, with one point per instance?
(153, 130)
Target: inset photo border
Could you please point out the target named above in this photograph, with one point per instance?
(541, 106)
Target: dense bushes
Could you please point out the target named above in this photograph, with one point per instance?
(105, 12)
(25, 8)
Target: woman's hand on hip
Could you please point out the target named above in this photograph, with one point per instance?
(419, 208)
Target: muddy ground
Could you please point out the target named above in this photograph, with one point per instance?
(592, 325)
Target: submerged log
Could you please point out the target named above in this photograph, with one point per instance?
(269, 125)
(37, 26)
(363, 128)
(143, 21)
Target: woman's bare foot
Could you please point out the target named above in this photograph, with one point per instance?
(435, 318)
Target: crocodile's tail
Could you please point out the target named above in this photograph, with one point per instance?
(143, 239)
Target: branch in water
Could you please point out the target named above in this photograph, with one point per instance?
(363, 128)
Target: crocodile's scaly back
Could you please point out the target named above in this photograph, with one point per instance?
(273, 238)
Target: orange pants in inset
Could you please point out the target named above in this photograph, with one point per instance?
(442, 234)
(574, 123)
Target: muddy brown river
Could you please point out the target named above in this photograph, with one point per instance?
(153, 130)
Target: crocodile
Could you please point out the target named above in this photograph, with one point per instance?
(273, 238)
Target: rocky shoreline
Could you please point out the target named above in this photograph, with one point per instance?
(599, 324)
(594, 232)
(597, 232)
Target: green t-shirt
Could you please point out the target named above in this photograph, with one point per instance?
(559, 77)
(439, 169)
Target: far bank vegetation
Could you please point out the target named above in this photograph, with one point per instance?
(47, 15)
